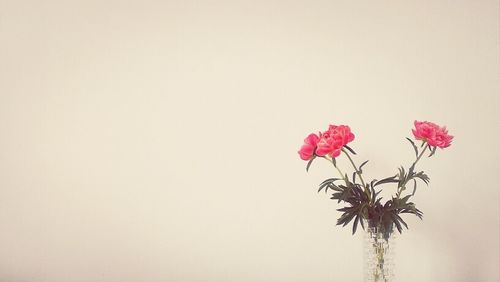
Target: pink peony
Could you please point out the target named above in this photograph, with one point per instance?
(432, 133)
(442, 138)
(306, 152)
(332, 140)
(328, 145)
(342, 132)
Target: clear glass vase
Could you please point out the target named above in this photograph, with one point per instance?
(378, 253)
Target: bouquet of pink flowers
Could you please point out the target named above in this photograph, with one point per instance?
(362, 198)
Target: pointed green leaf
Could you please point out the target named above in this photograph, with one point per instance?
(350, 149)
(414, 146)
(362, 224)
(396, 222)
(392, 179)
(309, 163)
(433, 152)
(405, 199)
(329, 181)
(361, 166)
(414, 187)
(401, 220)
(355, 225)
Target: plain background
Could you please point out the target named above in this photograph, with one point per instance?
(157, 141)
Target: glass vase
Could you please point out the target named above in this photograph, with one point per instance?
(378, 253)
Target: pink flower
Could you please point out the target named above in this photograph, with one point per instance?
(432, 133)
(442, 138)
(332, 140)
(342, 132)
(329, 145)
(306, 152)
(424, 130)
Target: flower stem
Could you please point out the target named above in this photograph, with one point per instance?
(338, 169)
(355, 167)
(403, 186)
(419, 156)
(367, 192)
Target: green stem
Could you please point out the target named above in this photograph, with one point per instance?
(419, 156)
(355, 167)
(367, 192)
(341, 174)
(403, 186)
(338, 169)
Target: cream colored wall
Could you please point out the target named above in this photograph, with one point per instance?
(156, 141)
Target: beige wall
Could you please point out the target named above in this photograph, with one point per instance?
(156, 141)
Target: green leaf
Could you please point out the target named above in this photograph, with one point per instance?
(355, 225)
(346, 218)
(330, 180)
(326, 186)
(346, 209)
(350, 150)
(396, 222)
(422, 176)
(403, 200)
(337, 196)
(402, 221)
(433, 152)
(414, 211)
(361, 166)
(392, 179)
(414, 187)
(402, 174)
(414, 146)
(336, 188)
(329, 184)
(374, 195)
(349, 218)
(309, 163)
